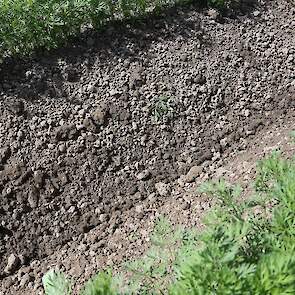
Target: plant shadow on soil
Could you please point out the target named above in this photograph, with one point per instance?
(109, 42)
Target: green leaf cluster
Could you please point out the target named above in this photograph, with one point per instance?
(29, 24)
(55, 283)
(163, 109)
(249, 247)
(155, 271)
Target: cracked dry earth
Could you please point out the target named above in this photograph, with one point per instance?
(99, 138)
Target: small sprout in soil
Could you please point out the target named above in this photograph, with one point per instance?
(163, 109)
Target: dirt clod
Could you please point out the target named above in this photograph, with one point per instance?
(193, 173)
(12, 263)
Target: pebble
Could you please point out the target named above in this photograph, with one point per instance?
(143, 175)
(193, 173)
(256, 13)
(213, 14)
(33, 197)
(12, 263)
(5, 153)
(99, 115)
(25, 280)
(163, 189)
(62, 148)
(38, 178)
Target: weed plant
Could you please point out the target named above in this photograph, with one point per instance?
(163, 109)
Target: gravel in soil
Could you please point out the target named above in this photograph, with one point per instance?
(90, 133)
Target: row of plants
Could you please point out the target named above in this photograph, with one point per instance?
(27, 25)
(248, 246)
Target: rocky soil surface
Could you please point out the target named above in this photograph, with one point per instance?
(97, 137)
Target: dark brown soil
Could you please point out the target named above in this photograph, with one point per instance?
(94, 137)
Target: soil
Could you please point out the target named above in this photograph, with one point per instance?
(102, 136)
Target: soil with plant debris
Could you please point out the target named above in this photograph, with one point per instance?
(98, 138)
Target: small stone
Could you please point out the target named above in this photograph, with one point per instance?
(38, 178)
(38, 143)
(185, 206)
(145, 174)
(62, 148)
(183, 57)
(66, 132)
(115, 92)
(89, 125)
(139, 209)
(213, 14)
(63, 178)
(29, 74)
(223, 142)
(152, 198)
(17, 107)
(163, 189)
(203, 89)
(92, 253)
(200, 79)
(103, 217)
(25, 280)
(99, 115)
(12, 264)
(33, 197)
(20, 135)
(14, 170)
(220, 172)
(181, 180)
(193, 173)
(136, 78)
(256, 13)
(5, 153)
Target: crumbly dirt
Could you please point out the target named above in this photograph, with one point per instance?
(99, 138)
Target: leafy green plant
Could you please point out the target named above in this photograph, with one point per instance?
(29, 24)
(163, 109)
(153, 273)
(222, 4)
(252, 253)
(217, 3)
(101, 284)
(55, 283)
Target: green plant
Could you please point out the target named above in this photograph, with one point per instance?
(222, 4)
(163, 109)
(29, 24)
(101, 284)
(153, 273)
(246, 252)
(55, 283)
(292, 135)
